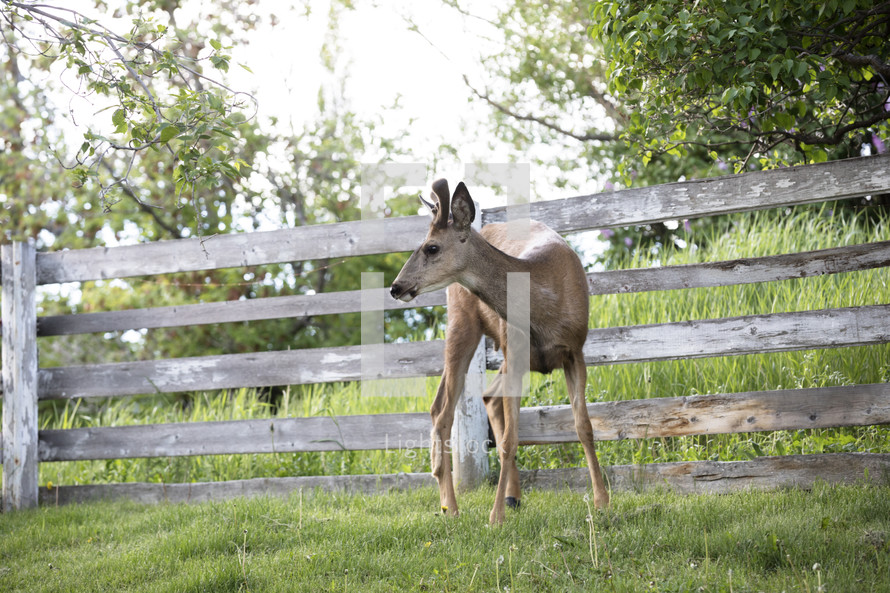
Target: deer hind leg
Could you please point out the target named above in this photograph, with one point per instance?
(503, 413)
(576, 380)
(494, 404)
(461, 339)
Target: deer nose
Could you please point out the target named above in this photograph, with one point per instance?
(396, 290)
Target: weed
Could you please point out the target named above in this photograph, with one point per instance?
(242, 563)
(594, 550)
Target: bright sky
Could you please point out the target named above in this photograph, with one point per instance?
(382, 62)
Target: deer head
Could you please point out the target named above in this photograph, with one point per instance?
(442, 256)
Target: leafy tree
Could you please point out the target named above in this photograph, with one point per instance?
(175, 154)
(782, 82)
(151, 81)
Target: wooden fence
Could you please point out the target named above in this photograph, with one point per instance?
(24, 446)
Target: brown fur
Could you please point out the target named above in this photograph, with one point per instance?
(475, 266)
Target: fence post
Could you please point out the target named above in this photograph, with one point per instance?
(469, 456)
(19, 329)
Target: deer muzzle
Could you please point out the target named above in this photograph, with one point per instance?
(401, 292)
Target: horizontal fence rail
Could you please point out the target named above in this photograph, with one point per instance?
(692, 477)
(314, 242)
(787, 409)
(771, 268)
(325, 303)
(836, 180)
(689, 199)
(277, 435)
(719, 477)
(733, 336)
(230, 371)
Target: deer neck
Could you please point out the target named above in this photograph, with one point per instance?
(486, 273)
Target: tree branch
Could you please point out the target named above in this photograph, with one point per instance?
(588, 137)
(147, 208)
(880, 67)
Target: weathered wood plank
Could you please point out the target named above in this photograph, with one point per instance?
(857, 405)
(722, 477)
(18, 312)
(322, 241)
(227, 371)
(694, 477)
(788, 409)
(273, 435)
(742, 271)
(327, 303)
(150, 493)
(734, 336)
(716, 195)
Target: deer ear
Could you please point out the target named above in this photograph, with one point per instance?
(443, 212)
(462, 208)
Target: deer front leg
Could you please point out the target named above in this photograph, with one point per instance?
(576, 381)
(442, 415)
(463, 334)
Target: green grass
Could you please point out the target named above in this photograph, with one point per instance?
(828, 539)
(748, 235)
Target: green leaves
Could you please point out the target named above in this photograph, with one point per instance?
(158, 97)
(753, 76)
(168, 133)
(119, 119)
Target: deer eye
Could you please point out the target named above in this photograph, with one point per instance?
(431, 249)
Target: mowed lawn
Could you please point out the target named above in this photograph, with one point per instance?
(831, 538)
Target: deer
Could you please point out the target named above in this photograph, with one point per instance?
(474, 267)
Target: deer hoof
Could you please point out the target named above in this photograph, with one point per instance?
(512, 502)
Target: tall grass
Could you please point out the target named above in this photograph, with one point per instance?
(748, 235)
